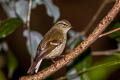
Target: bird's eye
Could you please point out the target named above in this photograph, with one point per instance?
(63, 25)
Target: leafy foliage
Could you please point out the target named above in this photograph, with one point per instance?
(84, 65)
(8, 26)
(100, 70)
(2, 76)
(52, 10)
(12, 64)
(103, 68)
(36, 37)
(14, 9)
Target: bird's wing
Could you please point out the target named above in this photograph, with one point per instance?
(41, 53)
(50, 45)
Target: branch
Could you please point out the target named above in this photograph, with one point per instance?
(80, 48)
(28, 23)
(29, 14)
(105, 53)
(100, 53)
(105, 2)
(107, 33)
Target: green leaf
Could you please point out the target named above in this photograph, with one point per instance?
(9, 26)
(2, 76)
(12, 64)
(84, 61)
(102, 69)
(99, 71)
(115, 35)
(84, 65)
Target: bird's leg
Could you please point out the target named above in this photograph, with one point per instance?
(53, 60)
(63, 56)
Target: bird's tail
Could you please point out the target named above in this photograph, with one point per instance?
(37, 66)
(34, 67)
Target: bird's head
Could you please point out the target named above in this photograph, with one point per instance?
(63, 25)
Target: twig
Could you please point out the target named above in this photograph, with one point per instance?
(29, 14)
(80, 48)
(100, 53)
(107, 33)
(105, 2)
(28, 23)
(105, 53)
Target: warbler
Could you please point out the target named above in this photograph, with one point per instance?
(52, 44)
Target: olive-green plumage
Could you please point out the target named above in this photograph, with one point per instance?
(52, 44)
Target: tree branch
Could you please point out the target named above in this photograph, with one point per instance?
(107, 33)
(105, 53)
(28, 22)
(29, 14)
(80, 48)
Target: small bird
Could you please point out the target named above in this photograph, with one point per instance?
(52, 44)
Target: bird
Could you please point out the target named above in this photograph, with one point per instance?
(52, 44)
